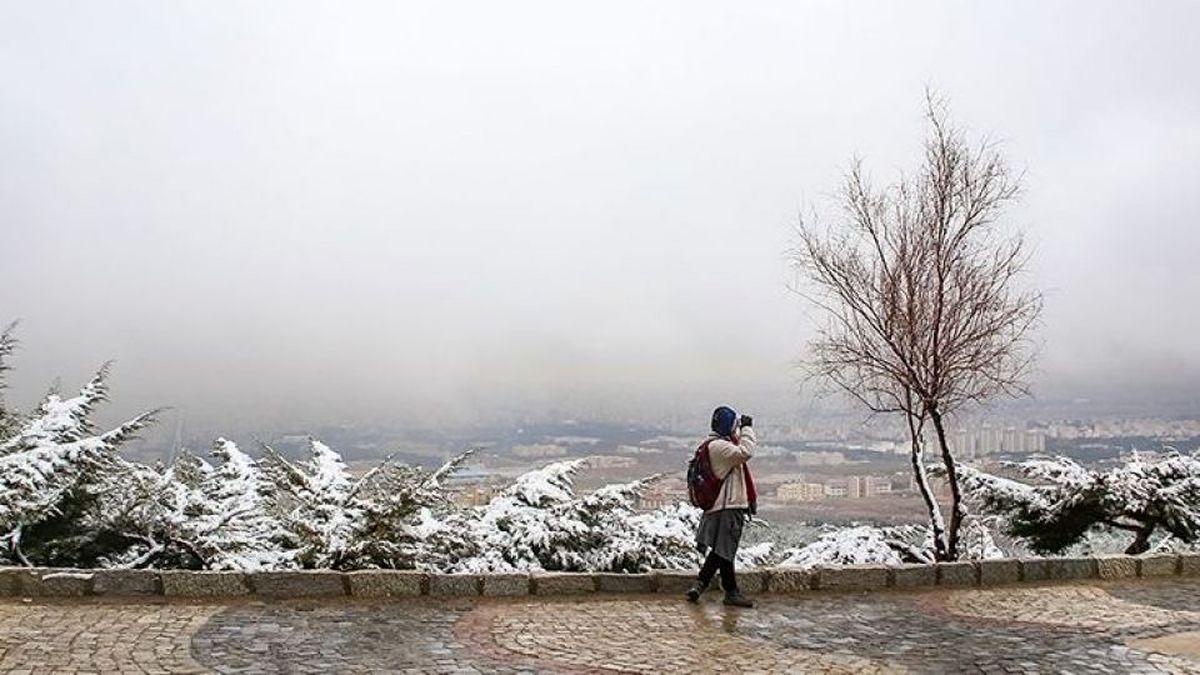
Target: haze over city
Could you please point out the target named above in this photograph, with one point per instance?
(306, 213)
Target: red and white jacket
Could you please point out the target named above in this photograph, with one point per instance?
(730, 458)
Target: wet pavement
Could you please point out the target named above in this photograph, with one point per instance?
(1137, 626)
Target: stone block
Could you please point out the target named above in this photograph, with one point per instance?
(127, 582)
(1035, 569)
(754, 581)
(385, 583)
(1158, 565)
(1189, 564)
(458, 585)
(505, 584)
(299, 584)
(853, 577)
(563, 583)
(1072, 568)
(9, 584)
(1116, 567)
(186, 583)
(789, 580)
(913, 576)
(962, 573)
(624, 583)
(999, 572)
(673, 581)
(42, 581)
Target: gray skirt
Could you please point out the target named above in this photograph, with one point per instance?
(721, 532)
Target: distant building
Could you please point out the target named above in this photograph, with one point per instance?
(839, 489)
(800, 492)
(970, 444)
(1034, 441)
(854, 487)
(874, 486)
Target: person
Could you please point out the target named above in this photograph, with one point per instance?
(730, 447)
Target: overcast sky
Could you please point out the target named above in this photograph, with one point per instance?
(320, 211)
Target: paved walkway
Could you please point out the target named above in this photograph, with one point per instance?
(1119, 627)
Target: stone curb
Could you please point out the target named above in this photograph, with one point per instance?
(562, 583)
(189, 584)
(626, 583)
(1158, 565)
(913, 575)
(283, 584)
(1034, 569)
(999, 572)
(1062, 569)
(455, 585)
(674, 581)
(496, 585)
(789, 580)
(964, 573)
(127, 582)
(299, 584)
(387, 583)
(1116, 567)
(853, 578)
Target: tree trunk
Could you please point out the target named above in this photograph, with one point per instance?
(957, 510)
(16, 548)
(1141, 542)
(936, 522)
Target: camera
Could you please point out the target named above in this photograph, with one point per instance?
(745, 421)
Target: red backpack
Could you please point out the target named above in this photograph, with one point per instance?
(703, 484)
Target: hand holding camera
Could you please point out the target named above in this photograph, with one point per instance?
(745, 421)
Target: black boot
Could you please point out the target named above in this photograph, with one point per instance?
(694, 593)
(736, 599)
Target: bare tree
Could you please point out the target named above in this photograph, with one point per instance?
(921, 289)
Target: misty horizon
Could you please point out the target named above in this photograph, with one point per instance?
(305, 214)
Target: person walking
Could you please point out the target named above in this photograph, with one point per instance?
(730, 447)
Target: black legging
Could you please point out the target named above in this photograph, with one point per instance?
(713, 563)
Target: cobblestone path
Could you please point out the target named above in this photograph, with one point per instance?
(1119, 627)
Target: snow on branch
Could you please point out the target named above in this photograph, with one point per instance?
(1140, 495)
(59, 420)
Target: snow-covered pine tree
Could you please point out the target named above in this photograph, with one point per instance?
(404, 518)
(668, 538)
(58, 420)
(8, 344)
(231, 527)
(190, 515)
(1139, 496)
(46, 467)
(330, 519)
(624, 541)
(313, 502)
(978, 542)
(444, 539)
(540, 523)
(524, 526)
(606, 541)
(144, 516)
(864, 544)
